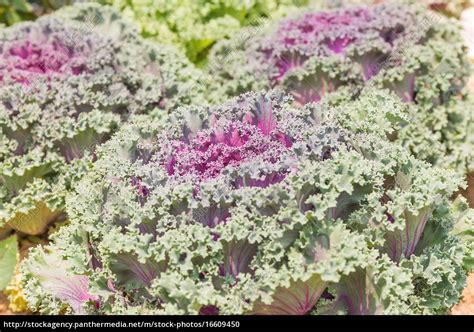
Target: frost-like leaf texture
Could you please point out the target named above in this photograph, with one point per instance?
(451, 8)
(67, 81)
(416, 53)
(194, 26)
(66, 287)
(257, 207)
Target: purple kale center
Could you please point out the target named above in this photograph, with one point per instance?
(345, 33)
(326, 32)
(230, 144)
(25, 60)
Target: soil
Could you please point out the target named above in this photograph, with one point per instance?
(466, 306)
(4, 306)
(469, 192)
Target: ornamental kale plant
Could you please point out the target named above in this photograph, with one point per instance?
(417, 54)
(256, 207)
(67, 81)
(195, 25)
(452, 8)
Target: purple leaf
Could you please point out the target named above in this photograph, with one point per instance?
(129, 271)
(313, 88)
(403, 243)
(41, 53)
(356, 295)
(298, 299)
(209, 310)
(404, 88)
(73, 290)
(211, 216)
(237, 258)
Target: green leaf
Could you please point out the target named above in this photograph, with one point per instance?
(12, 16)
(8, 260)
(22, 6)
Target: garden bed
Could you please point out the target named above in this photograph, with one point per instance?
(317, 184)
